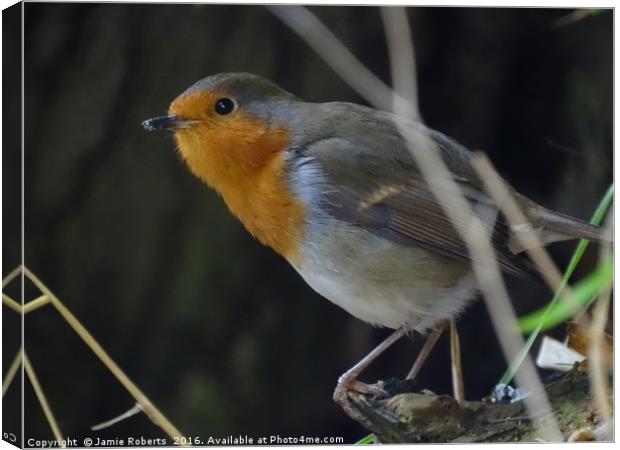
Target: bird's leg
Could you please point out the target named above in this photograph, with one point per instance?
(348, 381)
(458, 388)
(430, 342)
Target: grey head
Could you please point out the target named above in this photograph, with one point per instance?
(245, 87)
(254, 94)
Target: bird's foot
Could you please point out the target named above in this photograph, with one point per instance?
(341, 397)
(348, 383)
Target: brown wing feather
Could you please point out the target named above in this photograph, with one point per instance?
(409, 214)
(385, 193)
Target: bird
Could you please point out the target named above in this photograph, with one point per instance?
(333, 188)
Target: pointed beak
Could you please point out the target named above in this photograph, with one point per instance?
(169, 122)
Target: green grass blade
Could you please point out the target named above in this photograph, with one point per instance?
(584, 293)
(367, 440)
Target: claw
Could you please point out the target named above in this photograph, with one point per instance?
(368, 389)
(348, 381)
(341, 397)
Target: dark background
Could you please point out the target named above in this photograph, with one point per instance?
(219, 332)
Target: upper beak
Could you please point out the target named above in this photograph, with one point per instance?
(169, 122)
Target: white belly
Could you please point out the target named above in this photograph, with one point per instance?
(383, 283)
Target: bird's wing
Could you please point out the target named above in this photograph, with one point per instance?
(382, 191)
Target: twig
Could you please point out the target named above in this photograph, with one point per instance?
(598, 367)
(402, 61)
(135, 409)
(505, 325)
(42, 399)
(150, 409)
(35, 304)
(8, 301)
(6, 280)
(10, 374)
(457, 370)
(335, 54)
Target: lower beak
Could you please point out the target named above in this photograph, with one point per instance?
(169, 122)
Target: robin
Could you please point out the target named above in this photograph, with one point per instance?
(333, 188)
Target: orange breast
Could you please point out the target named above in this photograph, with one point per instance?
(267, 209)
(243, 159)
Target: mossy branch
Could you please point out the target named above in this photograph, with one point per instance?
(424, 417)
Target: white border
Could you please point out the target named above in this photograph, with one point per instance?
(547, 4)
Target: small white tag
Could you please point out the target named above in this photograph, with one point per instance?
(556, 355)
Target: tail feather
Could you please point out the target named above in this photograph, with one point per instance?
(551, 226)
(569, 226)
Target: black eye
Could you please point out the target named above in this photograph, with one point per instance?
(224, 106)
